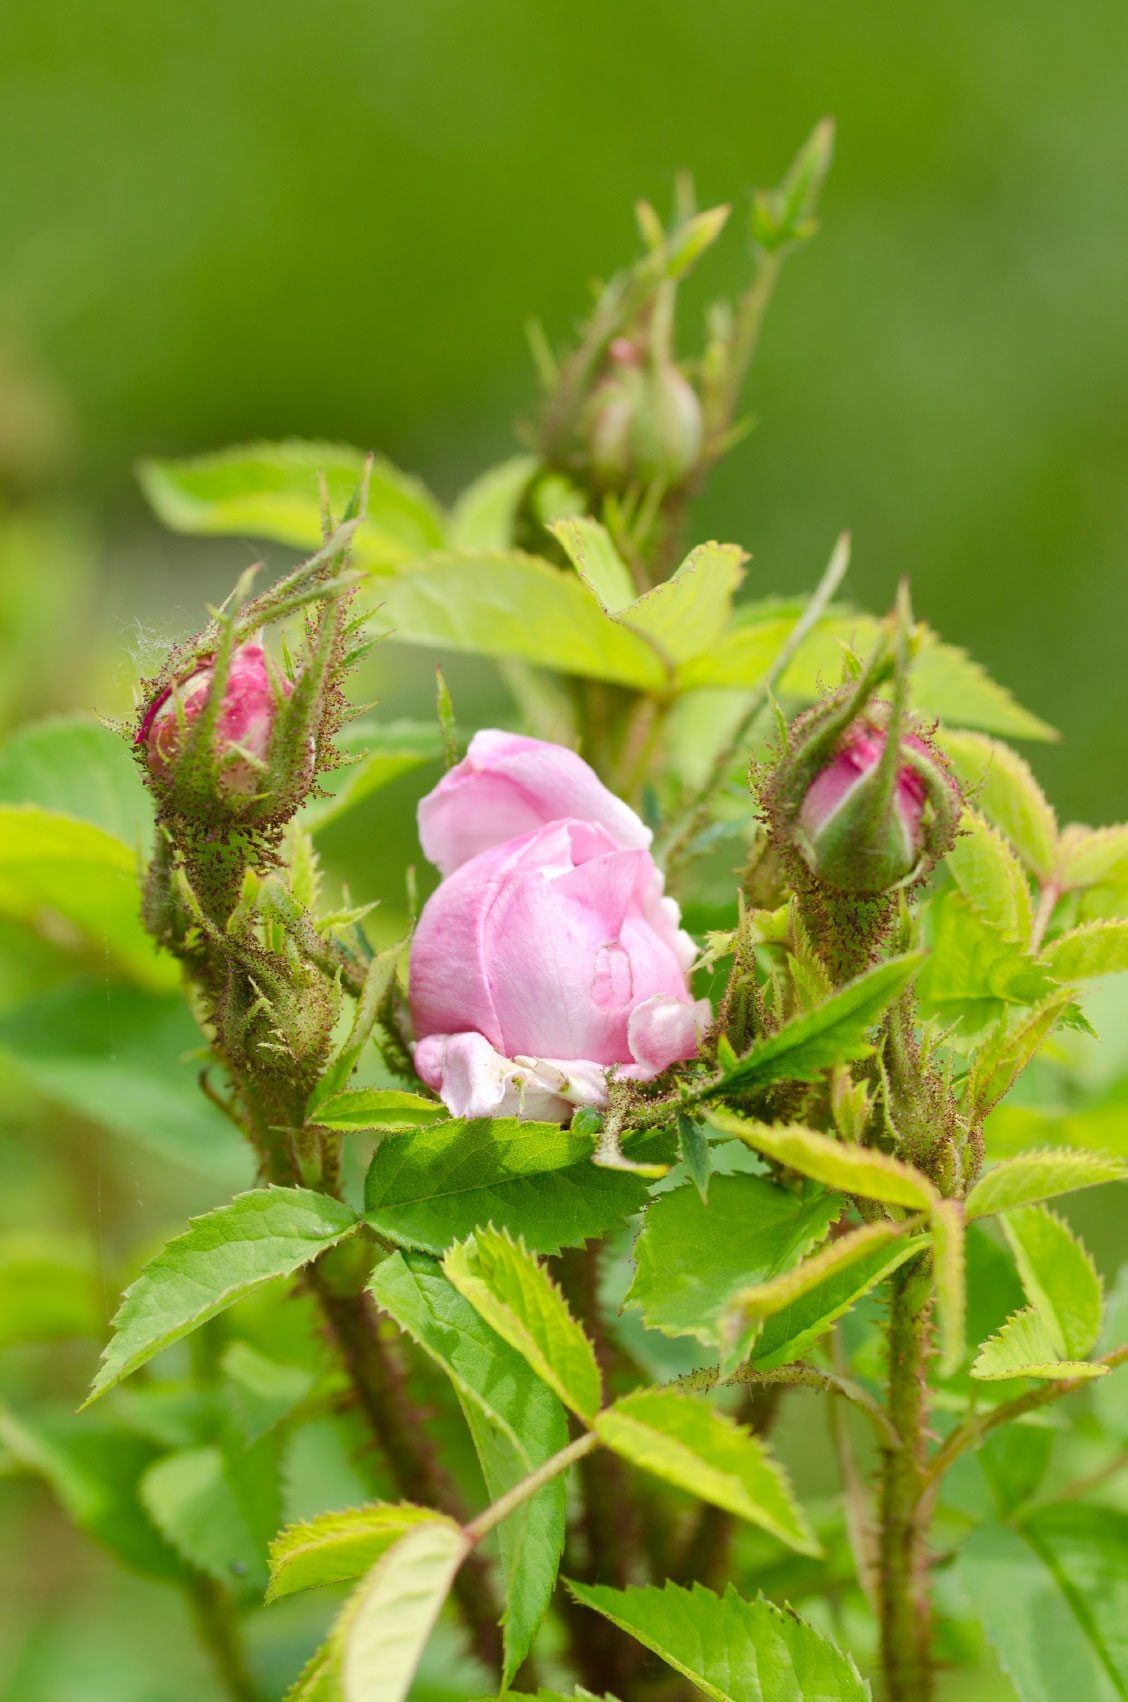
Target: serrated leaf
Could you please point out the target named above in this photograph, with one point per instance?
(971, 972)
(516, 1423)
(218, 1512)
(693, 1150)
(1034, 1176)
(378, 752)
(272, 490)
(1087, 856)
(835, 1032)
(733, 1650)
(991, 877)
(864, 1171)
(592, 552)
(946, 682)
(947, 1225)
(433, 1186)
(495, 603)
(1059, 1277)
(72, 765)
(686, 614)
(485, 514)
(1052, 1597)
(693, 1256)
(1095, 948)
(751, 1306)
(1002, 785)
(390, 1110)
(335, 1548)
(518, 1299)
(395, 1609)
(789, 1333)
(1026, 1346)
(1003, 1056)
(684, 1441)
(220, 1258)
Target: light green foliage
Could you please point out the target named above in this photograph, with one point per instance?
(516, 1422)
(693, 1257)
(220, 1258)
(484, 515)
(836, 1031)
(972, 973)
(1095, 948)
(1059, 1277)
(390, 1618)
(593, 554)
(949, 684)
(434, 1186)
(686, 614)
(1001, 784)
(990, 876)
(1052, 1597)
(763, 1300)
(948, 1257)
(733, 1650)
(864, 1171)
(790, 1332)
(693, 1150)
(262, 1392)
(518, 1299)
(1005, 1053)
(387, 1109)
(1090, 856)
(1028, 1346)
(72, 765)
(47, 1289)
(376, 753)
(218, 1508)
(1034, 1176)
(271, 490)
(683, 1440)
(337, 1547)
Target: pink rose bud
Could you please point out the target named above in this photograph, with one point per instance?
(506, 785)
(854, 836)
(245, 723)
(550, 960)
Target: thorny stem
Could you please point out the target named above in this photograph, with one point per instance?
(218, 1625)
(904, 1606)
(802, 1377)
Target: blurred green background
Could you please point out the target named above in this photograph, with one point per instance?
(224, 222)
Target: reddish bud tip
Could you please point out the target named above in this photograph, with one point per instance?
(243, 728)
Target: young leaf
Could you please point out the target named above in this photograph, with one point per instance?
(272, 490)
(751, 1306)
(1059, 1277)
(517, 1298)
(972, 973)
(836, 1032)
(220, 1258)
(1002, 785)
(436, 1185)
(948, 1256)
(790, 1333)
(946, 682)
(1005, 1054)
(864, 1171)
(686, 614)
(684, 1441)
(1095, 948)
(396, 1608)
(1026, 1346)
(1088, 856)
(516, 1423)
(74, 766)
(733, 1650)
(593, 555)
(386, 1109)
(386, 749)
(692, 1257)
(693, 1149)
(1034, 1176)
(485, 514)
(335, 1548)
(990, 877)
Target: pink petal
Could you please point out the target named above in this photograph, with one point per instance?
(665, 1030)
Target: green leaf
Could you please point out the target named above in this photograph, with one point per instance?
(1002, 785)
(1034, 1176)
(686, 614)
(1089, 856)
(262, 1392)
(485, 515)
(1096, 948)
(379, 752)
(592, 552)
(991, 877)
(971, 972)
(218, 1510)
(220, 1258)
(693, 1150)
(1003, 1056)
(947, 683)
(434, 1186)
(1052, 1597)
(835, 1032)
(122, 1057)
(271, 490)
(864, 1171)
(518, 1299)
(509, 604)
(74, 766)
(693, 1256)
(750, 1307)
(1059, 1277)
(48, 1289)
(392, 1614)
(389, 1110)
(78, 884)
(947, 1224)
(94, 1471)
(516, 1423)
(335, 1548)
(1026, 1346)
(684, 1441)
(733, 1650)
(789, 1333)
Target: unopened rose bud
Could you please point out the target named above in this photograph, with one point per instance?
(645, 425)
(243, 728)
(861, 829)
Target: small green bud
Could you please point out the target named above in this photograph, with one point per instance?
(645, 423)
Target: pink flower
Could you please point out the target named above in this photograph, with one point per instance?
(848, 839)
(551, 960)
(507, 784)
(245, 724)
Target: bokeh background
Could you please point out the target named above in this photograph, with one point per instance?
(230, 220)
